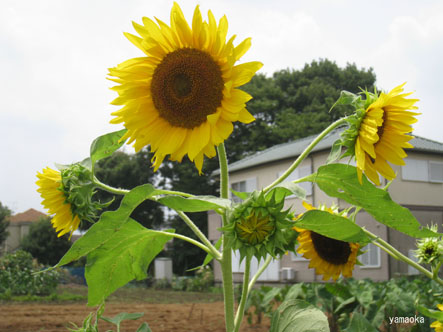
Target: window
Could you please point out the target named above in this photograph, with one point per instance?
(247, 185)
(435, 171)
(300, 172)
(371, 258)
(423, 170)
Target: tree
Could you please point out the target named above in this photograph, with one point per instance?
(5, 212)
(43, 243)
(128, 171)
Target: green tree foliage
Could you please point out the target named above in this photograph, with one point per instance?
(5, 212)
(43, 243)
(294, 103)
(127, 171)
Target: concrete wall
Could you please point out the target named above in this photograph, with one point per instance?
(16, 232)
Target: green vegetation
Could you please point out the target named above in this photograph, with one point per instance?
(18, 276)
(374, 303)
(4, 213)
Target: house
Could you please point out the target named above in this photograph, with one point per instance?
(418, 187)
(18, 228)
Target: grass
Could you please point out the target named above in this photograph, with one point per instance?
(129, 294)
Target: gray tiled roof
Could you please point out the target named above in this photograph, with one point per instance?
(295, 148)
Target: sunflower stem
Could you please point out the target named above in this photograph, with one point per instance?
(187, 239)
(119, 191)
(399, 256)
(244, 295)
(213, 251)
(226, 261)
(305, 153)
(259, 272)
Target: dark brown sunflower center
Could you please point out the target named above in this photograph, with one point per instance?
(186, 87)
(333, 251)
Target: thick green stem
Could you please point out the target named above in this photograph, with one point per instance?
(213, 251)
(305, 153)
(226, 261)
(399, 256)
(244, 296)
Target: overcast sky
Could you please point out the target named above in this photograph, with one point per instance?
(54, 56)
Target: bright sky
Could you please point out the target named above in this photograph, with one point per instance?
(54, 56)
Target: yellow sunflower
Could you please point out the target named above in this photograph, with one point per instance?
(329, 257)
(182, 97)
(54, 200)
(382, 135)
(437, 325)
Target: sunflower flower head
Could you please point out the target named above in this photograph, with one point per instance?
(259, 226)
(67, 195)
(329, 257)
(430, 250)
(182, 97)
(379, 132)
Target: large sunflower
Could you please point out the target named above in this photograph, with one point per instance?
(383, 134)
(329, 257)
(55, 201)
(182, 97)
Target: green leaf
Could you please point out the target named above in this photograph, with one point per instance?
(346, 98)
(339, 180)
(105, 145)
(240, 194)
(117, 319)
(144, 328)
(435, 314)
(298, 316)
(108, 224)
(335, 151)
(332, 226)
(286, 189)
(195, 204)
(125, 256)
(359, 323)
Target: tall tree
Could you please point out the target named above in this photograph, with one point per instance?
(5, 212)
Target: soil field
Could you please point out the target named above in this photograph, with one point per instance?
(162, 316)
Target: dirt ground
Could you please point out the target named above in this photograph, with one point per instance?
(189, 317)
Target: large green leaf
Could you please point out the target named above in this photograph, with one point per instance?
(435, 314)
(333, 226)
(298, 316)
(125, 256)
(339, 180)
(359, 323)
(105, 145)
(109, 223)
(195, 204)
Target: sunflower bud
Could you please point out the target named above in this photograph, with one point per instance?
(258, 227)
(430, 250)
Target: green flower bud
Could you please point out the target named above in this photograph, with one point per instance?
(430, 250)
(259, 227)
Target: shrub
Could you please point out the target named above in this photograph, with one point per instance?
(18, 277)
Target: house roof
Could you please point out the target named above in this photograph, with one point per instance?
(295, 148)
(30, 215)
